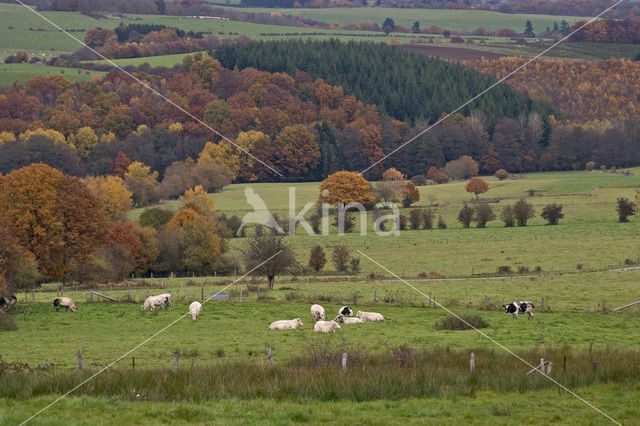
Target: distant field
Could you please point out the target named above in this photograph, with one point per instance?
(154, 61)
(456, 20)
(9, 73)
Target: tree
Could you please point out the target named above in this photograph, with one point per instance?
(528, 29)
(415, 218)
(501, 174)
(415, 28)
(393, 174)
(155, 217)
(483, 214)
(477, 186)
(345, 187)
(436, 175)
(523, 211)
(116, 199)
(462, 168)
(142, 182)
(317, 258)
(441, 223)
(490, 161)
(409, 194)
(507, 216)
(388, 26)
(276, 254)
(341, 257)
(427, 219)
(465, 215)
(625, 208)
(552, 213)
(85, 140)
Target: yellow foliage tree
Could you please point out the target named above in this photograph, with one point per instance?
(345, 187)
(198, 200)
(175, 127)
(85, 140)
(114, 195)
(6, 137)
(54, 135)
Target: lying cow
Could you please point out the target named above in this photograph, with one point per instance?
(347, 320)
(194, 310)
(515, 308)
(152, 302)
(345, 311)
(317, 312)
(325, 326)
(64, 302)
(286, 324)
(7, 302)
(369, 316)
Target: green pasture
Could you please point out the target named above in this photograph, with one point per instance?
(9, 73)
(154, 61)
(456, 20)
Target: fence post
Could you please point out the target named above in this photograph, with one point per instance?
(129, 295)
(269, 355)
(542, 365)
(549, 366)
(133, 362)
(33, 295)
(564, 364)
(175, 362)
(543, 304)
(344, 361)
(80, 366)
(472, 363)
(375, 295)
(90, 295)
(202, 294)
(604, 305)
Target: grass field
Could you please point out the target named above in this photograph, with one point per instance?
(9, 73)
(154, 61)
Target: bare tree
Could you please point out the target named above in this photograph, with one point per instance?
(276, 254)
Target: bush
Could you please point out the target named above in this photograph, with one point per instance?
(462, 168)
(508, 217)
(502, 174)
(461, 322)
(419, 180)
(590, 166)
(552, 213)
(6, 322)
(427, 219)
(341, 257)
(403, 222)
(465, 215)
(415, 218)
(523, 211)
(441, 223)
(625, 208)
(483, 214)
(317, 258)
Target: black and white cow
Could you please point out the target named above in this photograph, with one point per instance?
(7, 302)
(345, 311)
(515, 308)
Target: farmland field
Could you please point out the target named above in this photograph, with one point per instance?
(23, 72)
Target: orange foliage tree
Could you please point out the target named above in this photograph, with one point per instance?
(477, 186)
(345, 187)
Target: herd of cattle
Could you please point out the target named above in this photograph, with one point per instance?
(321, 325)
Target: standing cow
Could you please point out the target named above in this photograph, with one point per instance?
(64, 302)
(515, 308)
(317, 312)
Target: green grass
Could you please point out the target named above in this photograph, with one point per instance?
(9, 73)
(154, 61)
(455, 20)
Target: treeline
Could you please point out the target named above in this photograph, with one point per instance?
(405, 86)
(608, 31)
(134, 32)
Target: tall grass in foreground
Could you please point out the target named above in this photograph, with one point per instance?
(396, 374)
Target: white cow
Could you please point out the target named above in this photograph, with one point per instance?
(152, 302)
(286, 324)
(317, 312)
(64, 302)
(194, 310)
(347, 320)
(169, 298)
(369, 316)
(325, 326)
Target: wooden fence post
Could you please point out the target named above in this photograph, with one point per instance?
(604, 305)
(543, 304)
(549, 366)
(90, 295)
(202, 294)
(269, 355)
(472, 363)
(542, 365)
(80, 353)
(344, 361)
(175, 362)
(133, 362)
(33, 295)
(564, 364)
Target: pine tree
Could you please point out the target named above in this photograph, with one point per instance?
(528, 29)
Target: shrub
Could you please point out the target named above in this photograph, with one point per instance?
(355, 265)
(341, 258)
(461, 322)
(155, 217)
(317, 258)
(465, 215)
(625, 208)
(441, 223)
(508, 217)
(6, 322)
(349, 222)
(403, 222)
(483, 214)
(427, 219)
(419, 180)
(415, 218)
(462, 168)
(501, 174)
(523, 211)
(506, 269)
(590, 166)
(436, 175)
(552, 213)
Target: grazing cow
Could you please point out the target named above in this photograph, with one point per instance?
(7, 302)
(325, 326)
(194, 310)
(152, 301)
(369, 316)
(169, 298)
(347, 320)
(345, 311)
(64, 302)
(515, 308)
(317, 312)
(286, 324)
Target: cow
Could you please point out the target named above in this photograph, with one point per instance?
(515, 308)
(152, 301)
(345, 311)
(369, 316)
(194, 310)
(325, 326)
(64, 302)
(286, 324)
(317, 312)
(7, 302)
(347, 320)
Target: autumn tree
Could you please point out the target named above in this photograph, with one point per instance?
(436, 175)
(477, 186)
(142, 182)
(341, 257)
(415, 218)
(269, 255)
(115, 197)
(552, 213)
(345, 187)
(155, 217)
(523, 211)
(483, 214)
(508, 217)
(625, 208)
(490, 161)
(462, 168)
(85, 140)
(393, 174)
(409, 194)
(465, 215)
(120, 164)
(317, 258)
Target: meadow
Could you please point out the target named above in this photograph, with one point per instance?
(9, 73)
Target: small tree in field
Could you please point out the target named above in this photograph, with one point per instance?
(341, 258)
(508, 217)
(441, 223)
(276, 254)
(477, 186)
(409, 194)
(415, 218)
(552, 213)
(427, 219)
(483, 214)
(501, 174)
(625, 208)
(523, 211)
(465, 215)
(317, 259)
